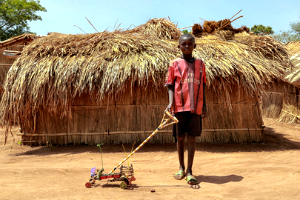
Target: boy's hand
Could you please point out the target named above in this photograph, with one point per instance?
(169, 108)
(203, 115)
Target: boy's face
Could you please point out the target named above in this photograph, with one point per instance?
(186, 45)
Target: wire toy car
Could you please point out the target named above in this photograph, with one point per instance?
(126, 174)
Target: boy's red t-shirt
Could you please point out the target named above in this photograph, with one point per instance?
(188, 79)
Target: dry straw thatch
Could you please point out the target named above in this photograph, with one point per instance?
(222, 28)
(249, 67)
(266, 45)
(293, 75)
(163, 29)
(290, 112)
(283, 100)
(73, 64)
(293, 47)
(53, 70)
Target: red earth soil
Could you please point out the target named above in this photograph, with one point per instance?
(268, 170)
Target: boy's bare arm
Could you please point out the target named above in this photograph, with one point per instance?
(204, 109)
(171, 97)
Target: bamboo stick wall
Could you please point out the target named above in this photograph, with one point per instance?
(290, 112)
(272, 101)
(135, 114)
(282, 102)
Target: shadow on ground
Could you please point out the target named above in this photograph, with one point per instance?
(219, 179)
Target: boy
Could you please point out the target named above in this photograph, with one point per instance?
(186, 80)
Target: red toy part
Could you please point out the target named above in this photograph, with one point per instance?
(88, 185)
(133, 178)
(105, 176)
(126, 175)
(130, 180)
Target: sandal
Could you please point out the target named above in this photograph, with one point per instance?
(179, 175)
(191, 180)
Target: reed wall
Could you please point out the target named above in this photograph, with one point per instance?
(282, 101)
(290, 112)
(272, 100)
(133, 115)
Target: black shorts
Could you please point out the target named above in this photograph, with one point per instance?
(189, 123)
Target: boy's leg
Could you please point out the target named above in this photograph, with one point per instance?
(180, 150)
(179, 130)
(194, 130)
(191, 146)
(191, 153)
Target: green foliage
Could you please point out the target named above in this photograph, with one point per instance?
(288, 36)
(186, 32)
(262, 30)
(295, 27)
(15, 15)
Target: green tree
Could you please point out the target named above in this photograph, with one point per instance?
(15, 15)
(262, 30)
(295, 27)
(291, 35)
(186, 32)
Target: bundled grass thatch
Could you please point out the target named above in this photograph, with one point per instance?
(222, 28)
(242, 29)
(210, 26)
(197, 30)
(231, 59)
(54, 70)
(225, 24)
(160, 28)
(225, 34)
(293, 75)
(268, 46)
(293, 47)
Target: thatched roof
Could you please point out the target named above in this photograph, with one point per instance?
(56, 68)
(25, 36)
(293, 75)
(9, 50)
(293, 47)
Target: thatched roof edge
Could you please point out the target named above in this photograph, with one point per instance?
(26, 36)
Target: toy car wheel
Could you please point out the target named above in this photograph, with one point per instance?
(88, 185)
(124, 184)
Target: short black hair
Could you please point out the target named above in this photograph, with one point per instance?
(187, 35)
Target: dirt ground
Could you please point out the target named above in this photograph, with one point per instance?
(269, 170)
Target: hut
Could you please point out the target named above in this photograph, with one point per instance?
(290, 112)
(108, 87)
(281, 100)
(9, 51)
(293, 75)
